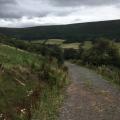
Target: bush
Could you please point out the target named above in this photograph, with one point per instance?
(103, 52)
(70, 54)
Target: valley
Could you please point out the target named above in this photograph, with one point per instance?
(60, 72)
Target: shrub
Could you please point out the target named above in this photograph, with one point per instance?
(103, 52)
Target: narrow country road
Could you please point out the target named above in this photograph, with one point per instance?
(89, 97)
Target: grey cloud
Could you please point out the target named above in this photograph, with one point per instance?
(8, 15)
(6, 10)
(84, 2)
(10, 9)
(7, 2)
(59, 9)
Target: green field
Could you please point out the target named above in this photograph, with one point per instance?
(118, 45)
(58, 42)
(62, 44)
(49, 42)
(87, 44)
(70, 45)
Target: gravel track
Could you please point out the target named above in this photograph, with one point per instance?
(89, 97)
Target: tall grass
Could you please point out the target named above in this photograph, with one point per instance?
(52, 95)
(110, 72)
(29, 84)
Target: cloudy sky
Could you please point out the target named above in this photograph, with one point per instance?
(26, 13)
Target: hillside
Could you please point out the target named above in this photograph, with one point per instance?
(25, 80)
(72, 32)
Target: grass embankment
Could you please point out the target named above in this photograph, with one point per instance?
(29, 83)
(111, 73)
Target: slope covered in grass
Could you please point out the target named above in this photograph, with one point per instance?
(10, 56)
(24, 78)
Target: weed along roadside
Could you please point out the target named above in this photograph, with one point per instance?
(52, 95)
(30, 85)
(103, 56)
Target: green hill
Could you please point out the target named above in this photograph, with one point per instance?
(72, 32)
(27, 82)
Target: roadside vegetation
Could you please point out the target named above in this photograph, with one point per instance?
(33, 75)
(101, 55)
(32, 80)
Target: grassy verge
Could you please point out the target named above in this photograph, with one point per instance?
(29, 84)
(51, 100)
(52, 96)
(110, 73)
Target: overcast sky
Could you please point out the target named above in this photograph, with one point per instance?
(26, 13)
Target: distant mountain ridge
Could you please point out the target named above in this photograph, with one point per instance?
(71, 32)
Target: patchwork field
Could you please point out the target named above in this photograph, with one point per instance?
(49, 41)
(61, 43)
(58, 42)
